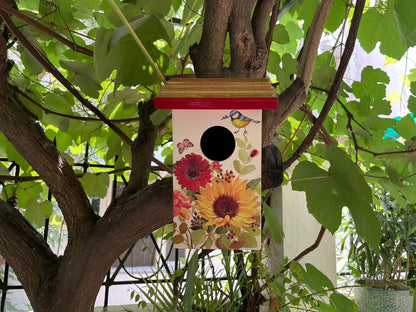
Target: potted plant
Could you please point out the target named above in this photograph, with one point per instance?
(385, 273)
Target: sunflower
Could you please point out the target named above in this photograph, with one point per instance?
(227, 203)
(192, 172)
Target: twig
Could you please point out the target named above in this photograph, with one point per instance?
(44, 29)
(48, 111)
(138, 41)
(332, 95)
(306, 251)
(55, 72)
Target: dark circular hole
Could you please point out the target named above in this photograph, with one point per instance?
(217, 143)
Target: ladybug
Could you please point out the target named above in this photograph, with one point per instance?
(254, 153)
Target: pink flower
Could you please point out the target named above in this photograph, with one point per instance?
(181, 204)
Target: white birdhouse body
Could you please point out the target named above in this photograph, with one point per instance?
(217, 173)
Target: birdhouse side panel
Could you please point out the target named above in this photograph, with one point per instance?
(217, 179)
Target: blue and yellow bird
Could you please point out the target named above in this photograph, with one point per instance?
(239, 120)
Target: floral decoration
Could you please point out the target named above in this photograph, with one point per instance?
(216, 208)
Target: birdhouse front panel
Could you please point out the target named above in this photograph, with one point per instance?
(216, 125)
(217, 202)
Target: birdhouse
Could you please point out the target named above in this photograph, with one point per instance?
(216, 126)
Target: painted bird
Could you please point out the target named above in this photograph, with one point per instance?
(239, 120)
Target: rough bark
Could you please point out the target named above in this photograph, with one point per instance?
(249, 53)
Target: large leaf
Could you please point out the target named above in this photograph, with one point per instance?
(323, 202)
(405, 15)
(134, 69)
(380, 26)
(83, 76)
(272, 224)
(342, 185)
(317, 280)
(36, 212)
(406, 127)
(95, 184)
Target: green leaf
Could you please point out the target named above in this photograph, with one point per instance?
(317, 280)
(288, 68)
(240, 143)
(321, 196)
(95, 184)
(406, 127)
(373, 83)
(343, 185)
(380, 26)
(36, 212)
(342, 303)
(83, 77)
(336, 15)
(160, 7)
(158, 116)
(3, 169)
(412, 104)
(323, 77)
(243, 155)
(272, 225)
(198, 236)
(247, 169)
(190, 282)
(280, 34)
(247, 240)
(113, 46)
(356, 195)
(405, 15)
(237, 166)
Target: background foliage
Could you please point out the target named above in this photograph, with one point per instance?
(83, 78)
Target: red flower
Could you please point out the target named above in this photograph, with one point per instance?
(192, 172)
(181, 205)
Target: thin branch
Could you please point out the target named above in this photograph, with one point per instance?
(138, 41)
(306, 59)
(325, 136)
(55, 72)
(272, 23)
(332, 95)
(306, 251)
(10, 10)
(51, 112)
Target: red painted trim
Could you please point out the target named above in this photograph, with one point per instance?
(216, 103)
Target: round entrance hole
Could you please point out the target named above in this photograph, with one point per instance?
(217, 143)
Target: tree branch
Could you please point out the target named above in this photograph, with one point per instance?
(332, 95)
(260, 20)
(307, 57)
(6, 7)
(207, 56)
(142, 149)
(31, 142)
(272, 24)
(27, 252)
(55, 72)
(127, 220)
(294, 97)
